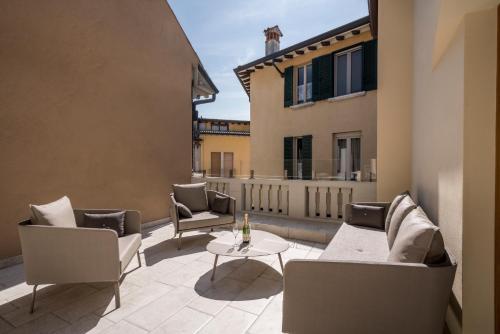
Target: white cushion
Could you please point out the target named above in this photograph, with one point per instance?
(58, 213)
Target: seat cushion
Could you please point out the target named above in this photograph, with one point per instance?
(58, 213)
(414, 238)
(128, 245)
(402, 210)
(357, 243)
(194, 196)
(205, 219)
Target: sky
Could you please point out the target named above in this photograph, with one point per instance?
(229, 33)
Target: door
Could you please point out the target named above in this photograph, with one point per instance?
(228, 163)
(215, 164)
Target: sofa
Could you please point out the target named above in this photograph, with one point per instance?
(77, 254)
(366, 280)
(200, 209)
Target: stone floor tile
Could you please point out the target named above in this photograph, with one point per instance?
(229, 321)
(124, 327)
(269, 322)
(249, 271)
(50, 303)
(134, 301)
(257, 295)
(217, 297)
(153, 314)
(185, 321)
(102, 298)
(45, 324)
(90, 324)
(5, 326)
(186, 273)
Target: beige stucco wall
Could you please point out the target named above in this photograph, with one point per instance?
(395, 47)
(95, 100)
(238, 145)
(452, 164)
(271, 121)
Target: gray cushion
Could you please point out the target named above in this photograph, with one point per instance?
(393, 207)
(405, 206)
(220, 204)
(366, 215)
(194, 196)
(414, 238)
(114, 221)
(356, 243)
(184, 211)
(205, 219)
(58, 213)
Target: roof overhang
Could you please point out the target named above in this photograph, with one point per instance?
(202, 84)
(310, 45)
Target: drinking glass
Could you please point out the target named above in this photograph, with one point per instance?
(235, 233)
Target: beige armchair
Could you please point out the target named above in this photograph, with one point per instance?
(202, 219)
(61, 255)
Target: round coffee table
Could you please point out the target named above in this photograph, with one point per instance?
(262, 243)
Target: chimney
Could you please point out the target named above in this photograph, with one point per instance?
(273, 35)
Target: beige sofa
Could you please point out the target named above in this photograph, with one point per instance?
(353, 288)
(60, 255)
(206, 218)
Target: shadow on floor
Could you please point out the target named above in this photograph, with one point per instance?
(224, 289)
(167, 249)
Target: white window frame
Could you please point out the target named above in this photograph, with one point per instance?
(348, 137)
(296, 85)
(348, 78)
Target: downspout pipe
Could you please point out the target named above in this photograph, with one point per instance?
(195, 133)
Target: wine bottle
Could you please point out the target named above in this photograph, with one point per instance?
(246, 229)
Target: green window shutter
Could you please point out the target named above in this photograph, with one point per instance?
(370, 65)
(322, 80)
(288, 156)
(307, 157)
(288, 86)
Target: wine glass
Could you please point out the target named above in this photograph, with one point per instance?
(235, 233)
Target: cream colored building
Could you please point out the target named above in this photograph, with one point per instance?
(89, 108)
(313, 105)
(438, 136)
(222, 147)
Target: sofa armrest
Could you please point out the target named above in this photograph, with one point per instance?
(365, 297)
(69, 255)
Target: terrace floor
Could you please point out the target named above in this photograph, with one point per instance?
(170, 293)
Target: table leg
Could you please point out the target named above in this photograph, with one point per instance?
(281, 262)
(215, 265)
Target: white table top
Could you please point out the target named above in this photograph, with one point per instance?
(262, 243)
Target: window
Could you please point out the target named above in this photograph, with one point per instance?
(202, 126)
(215, 126)
(348, 71)
(347, 156)
(304, 84)
(223, 127)
(298, 157)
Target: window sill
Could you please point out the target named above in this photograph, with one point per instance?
(302, 105)
(346, 97)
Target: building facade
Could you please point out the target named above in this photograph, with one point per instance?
(222, 147)
(314, 106)
(89, 107)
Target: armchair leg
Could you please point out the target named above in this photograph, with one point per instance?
(179, 241)
(33, 297)
(116, 286)
(139, 259)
